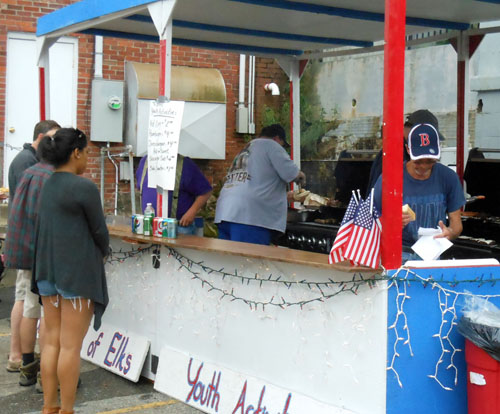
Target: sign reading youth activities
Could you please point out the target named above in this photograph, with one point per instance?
(214, 389)
(163, 142)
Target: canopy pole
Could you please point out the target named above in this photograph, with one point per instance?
(392, 177)
(463, 93)
(43, 45)
(42, 93)
(161, 13)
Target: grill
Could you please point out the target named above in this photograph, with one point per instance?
(311, 235)
(481, 234)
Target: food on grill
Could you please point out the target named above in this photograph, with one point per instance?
(407, 210)
(326, 221)
(486, 242)
(315, 200)
(309, 199)
(300, 195)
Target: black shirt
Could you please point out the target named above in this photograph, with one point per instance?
(72, 239)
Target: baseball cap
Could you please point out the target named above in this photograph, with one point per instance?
(423, 116)
(423, 142)
(274, 130)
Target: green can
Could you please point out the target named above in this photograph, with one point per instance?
(170, 230)
(148, 226)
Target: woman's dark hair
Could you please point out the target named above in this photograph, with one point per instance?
(56, 150)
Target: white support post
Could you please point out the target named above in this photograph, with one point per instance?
(463, 100)
(43, 45)
(292, 69)
(161, 13)
(295, 83)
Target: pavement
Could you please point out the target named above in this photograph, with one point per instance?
(101, 391)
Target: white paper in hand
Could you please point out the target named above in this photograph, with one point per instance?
(429, 248)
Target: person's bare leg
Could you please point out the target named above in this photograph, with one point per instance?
(16, 315)
(50, 355)
(75, 319)
(28, 335)
(41, 333)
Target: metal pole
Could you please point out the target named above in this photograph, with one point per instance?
(102, 176)
(132, 178)
(116, 181)
(392, 177)
(463, 87)
(42, 95)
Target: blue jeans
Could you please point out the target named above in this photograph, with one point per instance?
(244, 233)
(46, 288)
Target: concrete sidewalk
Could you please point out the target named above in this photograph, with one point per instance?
(101, 392)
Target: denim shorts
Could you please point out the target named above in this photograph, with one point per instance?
(46, 288)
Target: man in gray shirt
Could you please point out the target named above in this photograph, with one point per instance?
(253, 201)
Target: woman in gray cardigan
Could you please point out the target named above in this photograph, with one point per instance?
(71, 242)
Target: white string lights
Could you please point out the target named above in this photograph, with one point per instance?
(447, 299)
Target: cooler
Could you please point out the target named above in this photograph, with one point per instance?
(483, 381)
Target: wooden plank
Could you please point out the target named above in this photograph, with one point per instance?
(256, 251)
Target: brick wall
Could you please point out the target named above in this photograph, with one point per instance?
(21, 15)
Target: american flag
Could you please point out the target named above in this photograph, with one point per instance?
(364, 243)
(344, 232)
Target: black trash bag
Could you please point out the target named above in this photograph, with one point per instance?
(483, 336)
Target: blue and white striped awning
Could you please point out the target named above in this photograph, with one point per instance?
(278, 27)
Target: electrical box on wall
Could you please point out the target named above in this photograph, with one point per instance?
(106, 123)
(124, 171)
(242, 120)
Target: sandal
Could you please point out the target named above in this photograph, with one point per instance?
(51, 410)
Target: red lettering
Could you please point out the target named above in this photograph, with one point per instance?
(127, 364)
(112, 349)
(424, 139)
(241, 401)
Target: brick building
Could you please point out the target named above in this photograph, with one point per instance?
(20, 16)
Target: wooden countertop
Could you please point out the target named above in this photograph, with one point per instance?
(256, 251)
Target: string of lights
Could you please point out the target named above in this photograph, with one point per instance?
(120, 256)
(447, 304)
(194, 268)
(399, 281)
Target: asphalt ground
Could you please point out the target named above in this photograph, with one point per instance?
(101, 392)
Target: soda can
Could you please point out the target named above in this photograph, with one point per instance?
(170, 230)
(138, 224)
(158, 224)
(148, 226)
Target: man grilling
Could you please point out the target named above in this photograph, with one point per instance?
(432, 190)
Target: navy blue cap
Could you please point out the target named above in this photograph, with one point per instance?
(423, 142)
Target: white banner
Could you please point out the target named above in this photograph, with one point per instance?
(164, 129)
(116, 350)
(214, 389)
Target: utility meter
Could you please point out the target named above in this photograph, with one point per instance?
(114, 103)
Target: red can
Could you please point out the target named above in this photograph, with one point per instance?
(158, 224)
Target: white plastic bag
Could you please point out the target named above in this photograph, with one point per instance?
(481, 311)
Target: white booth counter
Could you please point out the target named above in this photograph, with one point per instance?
(245, 323)
(239, 328)
(255, 251)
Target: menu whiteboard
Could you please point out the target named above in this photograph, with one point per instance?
(163, 142)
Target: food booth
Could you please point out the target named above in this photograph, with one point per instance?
(237, 328)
